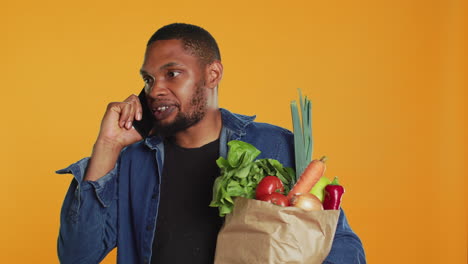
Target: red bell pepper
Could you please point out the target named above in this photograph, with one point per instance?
(333, 193)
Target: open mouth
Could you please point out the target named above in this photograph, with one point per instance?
(162, 111)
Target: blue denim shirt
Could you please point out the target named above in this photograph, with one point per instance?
(120, 209)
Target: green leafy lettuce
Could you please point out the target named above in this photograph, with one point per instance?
(241, 173)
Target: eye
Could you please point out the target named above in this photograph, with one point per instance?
(147, 80)
(173, 74)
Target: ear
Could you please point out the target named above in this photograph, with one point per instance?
(214, 74)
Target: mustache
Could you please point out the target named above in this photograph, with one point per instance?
(163, 102)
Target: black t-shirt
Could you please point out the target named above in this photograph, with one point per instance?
(186, 227)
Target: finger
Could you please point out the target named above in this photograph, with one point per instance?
(138, 110)
(131, 98)
(136, 107)
(131, 116)
(125, 113)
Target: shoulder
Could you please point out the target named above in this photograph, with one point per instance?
(273, 141)
(246, 125)
(268, 130)
(268, 137)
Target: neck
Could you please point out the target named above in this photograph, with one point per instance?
(205, 131)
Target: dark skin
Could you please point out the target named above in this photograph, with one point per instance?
(172, 76)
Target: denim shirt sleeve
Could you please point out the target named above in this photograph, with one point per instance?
(346, 247)
(88, 219)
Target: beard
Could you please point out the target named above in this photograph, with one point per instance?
(184, 120)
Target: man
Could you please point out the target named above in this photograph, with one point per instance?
(150, 197)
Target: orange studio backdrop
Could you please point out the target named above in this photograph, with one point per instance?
(387, 80)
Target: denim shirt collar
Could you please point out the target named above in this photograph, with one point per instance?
(234, 128)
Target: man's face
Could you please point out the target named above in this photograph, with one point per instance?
(174, 85)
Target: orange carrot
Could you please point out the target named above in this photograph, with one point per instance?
(309, 177)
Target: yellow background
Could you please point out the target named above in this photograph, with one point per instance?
(387, 79)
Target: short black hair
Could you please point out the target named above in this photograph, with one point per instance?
(195, 39)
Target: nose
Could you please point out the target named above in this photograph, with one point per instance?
(157, 90)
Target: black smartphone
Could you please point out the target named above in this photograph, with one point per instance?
(144, 125)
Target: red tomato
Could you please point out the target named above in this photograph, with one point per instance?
(268, 185)
(275, 198)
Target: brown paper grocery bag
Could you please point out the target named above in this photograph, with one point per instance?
(264, 233)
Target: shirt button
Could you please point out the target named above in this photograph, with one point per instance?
(145, 261)
(149, 227)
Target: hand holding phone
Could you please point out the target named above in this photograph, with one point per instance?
(144, 125)
(116, 132)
